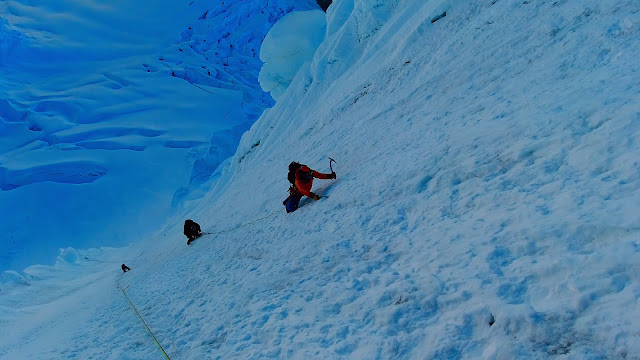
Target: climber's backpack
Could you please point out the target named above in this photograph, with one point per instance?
(293, 167)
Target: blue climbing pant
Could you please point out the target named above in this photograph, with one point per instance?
(291, 203)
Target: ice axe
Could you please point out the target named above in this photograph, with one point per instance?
(331, 160)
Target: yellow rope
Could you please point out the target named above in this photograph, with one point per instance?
(134, 307)
(145, 324)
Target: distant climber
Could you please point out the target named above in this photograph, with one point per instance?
(125, 268)
(191, 230)
(301, 178)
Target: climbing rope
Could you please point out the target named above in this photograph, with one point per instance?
(111, 261)
(131, 302)
(243, 225)
(203, 234)
(142, 319)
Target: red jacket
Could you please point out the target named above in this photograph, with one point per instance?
(304, 179)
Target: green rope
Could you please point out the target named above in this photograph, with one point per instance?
(113, 262)
(134, 307)
(144, 322)
(243, 225)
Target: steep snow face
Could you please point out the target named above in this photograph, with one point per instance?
(107, 111)
(486, 205)
(487, 195)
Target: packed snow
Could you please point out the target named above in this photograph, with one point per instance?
(487, 204)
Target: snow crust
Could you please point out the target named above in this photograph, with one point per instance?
(486, 205)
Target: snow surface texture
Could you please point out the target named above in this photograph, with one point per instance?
(289, 44)
(486, 206)
(105, 118)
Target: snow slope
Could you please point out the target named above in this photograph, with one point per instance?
(486, 204)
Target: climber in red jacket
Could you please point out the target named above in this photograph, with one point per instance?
(301, 176)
